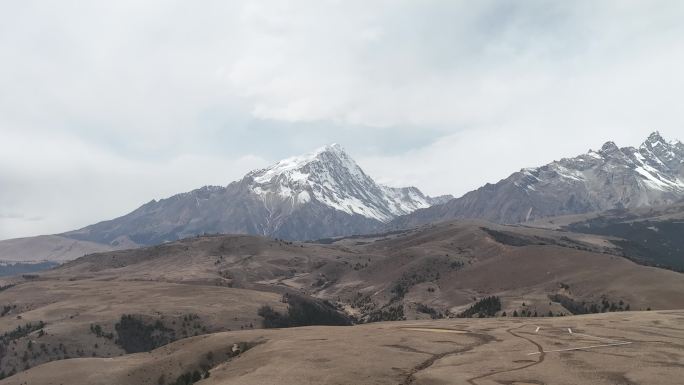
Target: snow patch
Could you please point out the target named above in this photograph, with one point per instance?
(303, 197)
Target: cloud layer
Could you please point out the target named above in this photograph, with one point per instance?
(106, 105)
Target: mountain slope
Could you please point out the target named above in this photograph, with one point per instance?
(610, 178)
(49, 248)
(464, 352)
(456, 260)
(329, 176)
(648, 235)
(317, 195)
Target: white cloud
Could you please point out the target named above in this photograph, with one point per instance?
(456, 63)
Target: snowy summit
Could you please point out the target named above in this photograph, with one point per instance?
(318, 195)
(331, 177)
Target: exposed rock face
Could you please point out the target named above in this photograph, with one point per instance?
(318, 195)
(609, 178)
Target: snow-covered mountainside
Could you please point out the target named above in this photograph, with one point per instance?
(317, 195)
(329, 176)
(609, 178)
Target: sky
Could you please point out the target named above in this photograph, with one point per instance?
(105, 105)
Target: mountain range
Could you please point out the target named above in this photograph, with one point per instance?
(326, 194)
(317, 195)
(610, 178)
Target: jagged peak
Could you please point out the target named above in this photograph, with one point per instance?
(655, 139)
(333, 147)
(294, 163)
(329, 176)
(609, 147)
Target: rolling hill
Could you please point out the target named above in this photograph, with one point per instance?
(594, 349)
(211, 284)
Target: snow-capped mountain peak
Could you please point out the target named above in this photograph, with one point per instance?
(329, 176)
(291, 166)
(644, 173)
(604, 179)
(656, 140)
(317, 195)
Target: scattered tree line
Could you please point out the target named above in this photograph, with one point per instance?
(135, 336)
(98, 331)
(303, 311)
(583, 307)
(432, 312)
(411, 278)
(388, 313)
(486, 307)
(209, 361)
(529, 313)
(518, 240)
(22, 331)
(512, 239)
(12, 337)
(6, 309)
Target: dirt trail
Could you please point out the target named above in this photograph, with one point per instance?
(481, 339)
(473, 380)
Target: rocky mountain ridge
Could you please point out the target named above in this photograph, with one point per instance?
(610, 178)
(317, 195)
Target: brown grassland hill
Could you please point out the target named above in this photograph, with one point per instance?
(615, 348)
(193, 305)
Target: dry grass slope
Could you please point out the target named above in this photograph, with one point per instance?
(205, 293)
(636, 348)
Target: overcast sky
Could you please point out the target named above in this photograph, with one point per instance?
(105, 105)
